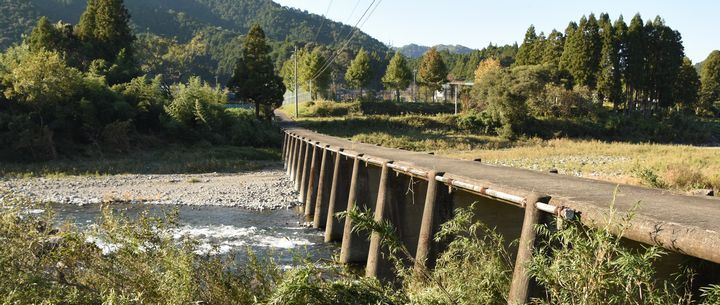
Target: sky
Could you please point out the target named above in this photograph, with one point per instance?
(476, 23)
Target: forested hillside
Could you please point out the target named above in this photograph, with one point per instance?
(416, 51)
(200, 35)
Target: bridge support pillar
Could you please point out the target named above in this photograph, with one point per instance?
(426, 228)
(337, 203)
(354, 247)
(289, 159)
(284, 148)
(522, 285)
(304, 171)
(298, 162)
(323, 190)
(312, 183)
(373, 260)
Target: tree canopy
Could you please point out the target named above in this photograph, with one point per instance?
(359, 73)
(255, 79)
(398, 74)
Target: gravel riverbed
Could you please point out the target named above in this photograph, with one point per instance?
(268, 188)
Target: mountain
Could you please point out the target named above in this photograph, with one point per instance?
(224, 20)
(417, 51)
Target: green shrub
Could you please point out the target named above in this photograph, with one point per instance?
(197, 106)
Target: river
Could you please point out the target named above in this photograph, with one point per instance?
(221, 230)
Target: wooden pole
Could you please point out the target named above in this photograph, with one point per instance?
(521, 281)
(426, 228)
(371, 268)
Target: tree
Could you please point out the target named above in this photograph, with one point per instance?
(486, 67)
(105, 25)
(665, 58)
(359, 75)
(609, 82)
(313, 73)
(687, 86)
(553, 48)
(581, 55)
(433, 72)
(635, 65)
(288, 70)
(710, 79)
(621, 29)
(527, 54)
(44, 36)
(254, 78)
(398, 75)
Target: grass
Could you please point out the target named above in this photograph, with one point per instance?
(168, 160)
(667, 166)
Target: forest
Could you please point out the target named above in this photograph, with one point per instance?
(80, 91)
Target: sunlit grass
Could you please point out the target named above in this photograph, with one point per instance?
(677, 167)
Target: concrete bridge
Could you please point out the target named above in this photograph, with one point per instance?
(417, 192)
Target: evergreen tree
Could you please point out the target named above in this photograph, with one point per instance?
(44, 36)
(621, 29)
(710, 79)
(398, 75)
(581, 55)
(553, 49)
(664, 61)
(526, 53)
(86, 27)
(583, 52)
(105, 25)
(255, 79)
(635, 64)
(312, 75)
(609, 82)
(687, 86)
(433, 72)
(359, 75)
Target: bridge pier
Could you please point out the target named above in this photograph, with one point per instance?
(312, 182)
(522, 285)
(290, 158)
(339, 190)
(354, 247)
(298, 162)
(374, 252)
(323, 189)
(304, 171)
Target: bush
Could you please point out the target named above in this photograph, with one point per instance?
(404, 108)
(197, 106)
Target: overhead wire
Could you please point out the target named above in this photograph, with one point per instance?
(327, 11)
(350, 36)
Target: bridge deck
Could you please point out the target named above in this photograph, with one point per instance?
(684, 224)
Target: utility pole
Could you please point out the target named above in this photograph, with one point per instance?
(311, 95)
(297, 114)
(414, 87)
(456, 98)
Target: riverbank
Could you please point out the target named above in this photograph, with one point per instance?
(267, 188)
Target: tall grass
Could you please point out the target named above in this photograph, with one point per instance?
(575, 265)
(138, 262)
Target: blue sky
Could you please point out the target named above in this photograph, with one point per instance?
(475, 23)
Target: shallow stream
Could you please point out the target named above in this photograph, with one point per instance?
(221, 230)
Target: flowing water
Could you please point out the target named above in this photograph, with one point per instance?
(220, 230)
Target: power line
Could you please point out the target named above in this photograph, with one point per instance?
(350, 37)
(323, 21)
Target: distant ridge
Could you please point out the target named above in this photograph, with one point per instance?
(416, 51)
